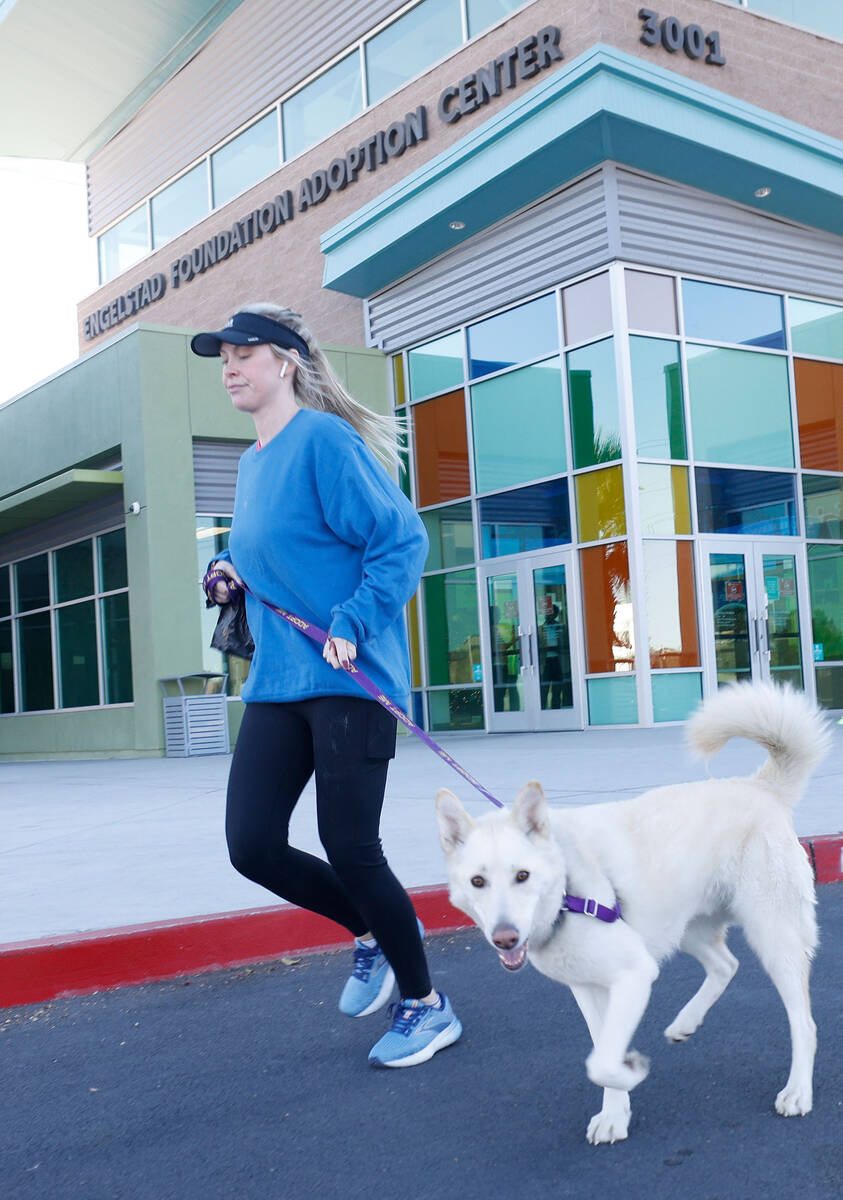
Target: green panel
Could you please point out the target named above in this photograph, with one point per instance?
(453, 634)
(823, 499)
(783, 619)
(529, 400)
(657, 398)
(436, 366)
(459, 709)
(612, 701)
(592, 386)
(825, 577)
(676, 695)
(740, 407)
(816, 328)
(451, 536)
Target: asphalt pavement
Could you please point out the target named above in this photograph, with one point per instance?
(250, 1084)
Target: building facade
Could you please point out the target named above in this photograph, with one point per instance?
(590, 255)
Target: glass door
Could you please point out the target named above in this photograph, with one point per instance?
(531, 667)
(753, 612)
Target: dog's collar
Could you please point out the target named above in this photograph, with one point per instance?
(590, 908)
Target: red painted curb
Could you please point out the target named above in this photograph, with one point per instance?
(37, 971)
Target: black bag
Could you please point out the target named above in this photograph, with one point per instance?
(232, 634)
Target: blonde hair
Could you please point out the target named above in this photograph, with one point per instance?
(317, 386)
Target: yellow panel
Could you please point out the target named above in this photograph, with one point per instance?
(663, 499)
(600, 505)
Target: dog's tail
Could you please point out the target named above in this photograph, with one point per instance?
(780, 719)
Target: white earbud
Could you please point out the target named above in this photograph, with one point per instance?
(283, 371)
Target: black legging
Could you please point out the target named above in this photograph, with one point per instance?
(348, 741)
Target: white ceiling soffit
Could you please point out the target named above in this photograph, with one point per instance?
(73, 72)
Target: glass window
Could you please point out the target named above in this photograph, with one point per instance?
(650, 302)
(436, 366)
(745, 502)
(519, 429)
(318, 109)
(425, 34)
(453, 631)
(525, 519)
(514, 336)
(657, 398)
(819, 404)
(600, 504)
(592, 386)
(32, 583)
(740, 407)
(663, 499)
(124, 244)
(180, 205)
(117, 649)
(112, 559)
(73, 568)
(244, 160)
(460, 708)
(76, 629)
(676, 695)
(451, 536)
(671, 604)
(35, 656)
(403, 439)
(825, 583)
(612, 701)
(816, 328)
(398, 380)
(5, 592)
(588, 309)
(607, 605)
(414, 640)
(830, 687)
(504, 624)
(823, 496)
(441, 444)
(483, 13)
(812, 14)
(7, 676)
(729, 314)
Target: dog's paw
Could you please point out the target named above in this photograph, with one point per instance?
(679, 1031)
(623, 1076)
(607, 1127)
(794, 1101)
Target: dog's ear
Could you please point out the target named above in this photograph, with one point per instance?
(454, 822)
(530, 810)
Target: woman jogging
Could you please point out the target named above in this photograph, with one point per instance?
(321, 530)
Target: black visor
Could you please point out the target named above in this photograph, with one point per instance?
(249, 329)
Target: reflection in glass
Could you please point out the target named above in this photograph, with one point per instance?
(671, 604)
(740, 407)
(525, 519)
(182, 204)
(745, 501)
(112, 554)
(731, 624)
(32, 583)
(441, 445)
(117, 649)
(76, 630)
(515, 336)
(518, 422)
(451, 536)
(600, 504)
(504, 625)
(73, 568)
(675, 695)
(483, 13)
(592, 386)
(459, 708)
(425, 34)
(588, 309)
(816, 328)
(823, 498)
(244, 160)
(657, 397)
(554, 643)
(436, 366)
(650, 302)
(819, 404)
(7, 677)
(322, 106)
(124, 244)
(663, 500)
(825, 583)
(453, 634)
(35, 658)
(607, 605)
(783, 639)
(729, 314)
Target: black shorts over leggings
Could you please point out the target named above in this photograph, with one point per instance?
(348, 742)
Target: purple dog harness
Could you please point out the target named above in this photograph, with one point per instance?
(575, 904)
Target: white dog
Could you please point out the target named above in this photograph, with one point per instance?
(597, 897)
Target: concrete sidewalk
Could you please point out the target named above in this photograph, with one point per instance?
(94, 846)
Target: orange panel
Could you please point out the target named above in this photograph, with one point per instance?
(819, 403)
(607, 604)
(441, 446)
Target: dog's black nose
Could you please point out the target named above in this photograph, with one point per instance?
(505, 937)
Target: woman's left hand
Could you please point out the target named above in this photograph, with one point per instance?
(339, 653)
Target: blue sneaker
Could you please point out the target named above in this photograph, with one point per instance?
(370, 983)
(418, 1030)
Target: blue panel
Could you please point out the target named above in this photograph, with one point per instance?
(527, 518)
(518, 335)
(676, 694)
(612, 700)
(729, 314)
(745, 501)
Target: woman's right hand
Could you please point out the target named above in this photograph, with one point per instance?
(220, 593)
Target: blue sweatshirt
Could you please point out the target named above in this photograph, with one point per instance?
(321, 530)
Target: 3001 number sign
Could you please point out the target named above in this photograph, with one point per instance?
(675, 36)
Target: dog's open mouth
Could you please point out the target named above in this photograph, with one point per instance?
(513, 960)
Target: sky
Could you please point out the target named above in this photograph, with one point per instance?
(48, 265)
